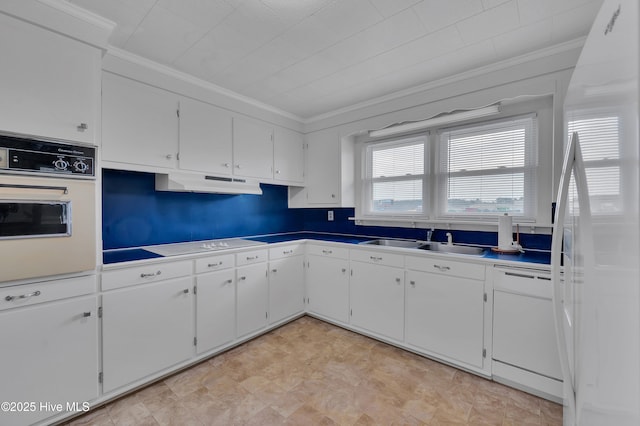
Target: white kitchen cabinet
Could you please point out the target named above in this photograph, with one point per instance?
(146, 329)
(50, 355)
(252, 298)
(139, 125)
(286, 287)
(215, 309)
(252, 148)
(50, 83)
(377, 296)
(205, 138)
(288, 157)
(329, 172)
(327, 281)
(524, 340)
(445, 315)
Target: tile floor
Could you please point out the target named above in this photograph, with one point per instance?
(309, 372)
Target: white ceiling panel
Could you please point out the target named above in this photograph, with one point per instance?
(310, 57)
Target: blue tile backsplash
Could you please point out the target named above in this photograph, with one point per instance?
(134, 214)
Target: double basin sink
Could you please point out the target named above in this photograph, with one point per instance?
(427, 245)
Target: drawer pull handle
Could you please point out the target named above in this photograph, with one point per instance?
(252, 257)
(344, 270)
(442, 268)
(86, 314)
(413, 283)
(185, 291)
(23, 296)
(213, 265)
(513, 274)
(274, 270)
(143, 275)
(398, 280)
(242, 278)
(228, 281)
(327, 251)
(287, 252)
(375, 258)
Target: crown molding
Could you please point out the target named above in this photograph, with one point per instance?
(503, 64)
(188, 78)
(80, 13)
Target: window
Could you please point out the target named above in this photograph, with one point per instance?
(600, 145)
(394, 178)
(489, 169)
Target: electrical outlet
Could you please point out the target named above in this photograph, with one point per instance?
(330, 215)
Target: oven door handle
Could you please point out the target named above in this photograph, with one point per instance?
(64, 189)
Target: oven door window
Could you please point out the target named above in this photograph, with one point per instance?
(27, 219)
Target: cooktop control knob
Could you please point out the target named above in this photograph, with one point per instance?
(80, 166)
(60, 164)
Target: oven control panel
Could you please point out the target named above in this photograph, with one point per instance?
(28, 155)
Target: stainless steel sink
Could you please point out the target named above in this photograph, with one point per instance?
(395, 243)
(451, 248)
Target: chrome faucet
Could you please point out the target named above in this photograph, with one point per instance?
(449, 238)
(429, 234)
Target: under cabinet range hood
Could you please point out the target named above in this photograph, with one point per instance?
(186, 182)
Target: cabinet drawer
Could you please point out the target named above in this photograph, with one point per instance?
(286, 251)
(46, 291)
(118, 278)
(446, 267)
(215, 263)
(253, 256)
(378, 257)
(329, 251)
(524, 281)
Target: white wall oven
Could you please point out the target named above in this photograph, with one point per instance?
(47, 208)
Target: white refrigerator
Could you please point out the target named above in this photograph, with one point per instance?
(596, 238)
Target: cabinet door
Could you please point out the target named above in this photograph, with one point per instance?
(288, 156)
(328, 287)
(323, 168)
(377, 299)
(253, 293)
(50, 84)
(445, 315)
(286, 288)
(215, 309)
(146, 329)
(205, 138)
(139, 123)
(49, 354)
(252, 148)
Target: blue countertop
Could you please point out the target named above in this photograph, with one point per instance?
(132, 254)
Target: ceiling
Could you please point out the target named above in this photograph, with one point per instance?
(312, 57)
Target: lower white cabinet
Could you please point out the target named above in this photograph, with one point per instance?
(252, 295)
(215, 309)
(377, 299)
(286, 287)
(146, 329)
(445, 315)
(327, 281)
(49, 355)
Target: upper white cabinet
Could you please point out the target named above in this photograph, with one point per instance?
(50, 84)
(252, 148)
(205, 138)
(139, 123)
(288, 156)
(329, 172)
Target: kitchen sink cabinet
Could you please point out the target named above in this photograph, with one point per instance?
(215, 309)
(288, 157)
(50, 83)
(286, 282)
(327, 281)
(139, 124)
(146, 329)
(377, 298)
(49, 354)
(445, 316)
(252, 298)
(205, 138)
(252, 148)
